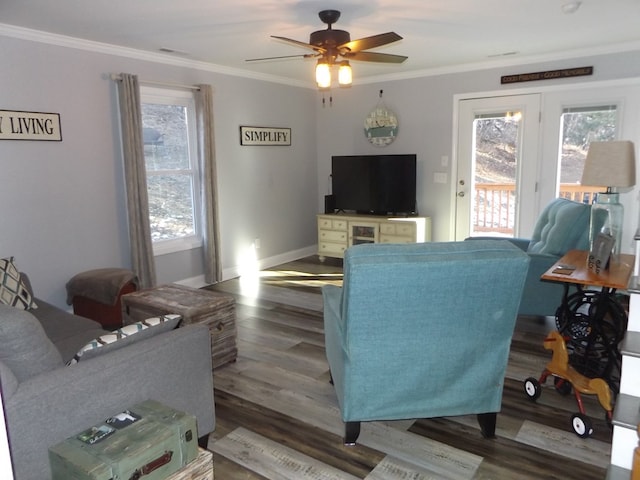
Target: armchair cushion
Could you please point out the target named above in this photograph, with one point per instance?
(24, 346)
(562, 226)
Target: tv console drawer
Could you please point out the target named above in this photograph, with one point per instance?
(398, 228)
(332, 224)
(396, 239)
(332, 249)
(332, 236)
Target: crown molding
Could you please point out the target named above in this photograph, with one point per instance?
(109, 49)
(117, 50)
(507, 62)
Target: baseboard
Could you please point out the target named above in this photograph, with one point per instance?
(235, 271)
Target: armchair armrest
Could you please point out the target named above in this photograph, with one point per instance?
(521, 243)
(173, 367)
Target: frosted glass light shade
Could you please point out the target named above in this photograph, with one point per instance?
(345, 76)
(323, 74)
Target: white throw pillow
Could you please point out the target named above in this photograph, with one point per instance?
(125, 336)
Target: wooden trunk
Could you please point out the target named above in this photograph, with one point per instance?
(213, 309)
(200, 469)
(110, 316)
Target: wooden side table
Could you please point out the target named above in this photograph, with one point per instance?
(213, 309)
(592, 317)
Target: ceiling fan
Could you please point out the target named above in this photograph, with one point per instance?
(335, 47)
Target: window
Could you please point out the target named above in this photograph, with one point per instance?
(579, 127)
(168, 120)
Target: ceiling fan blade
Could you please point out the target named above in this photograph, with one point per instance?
(303, 55)
(375, 57)
(300, 44)
(371, 42)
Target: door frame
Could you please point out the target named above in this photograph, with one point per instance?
(528, 141)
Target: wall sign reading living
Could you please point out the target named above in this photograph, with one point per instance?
(265, 136)
(30, 126)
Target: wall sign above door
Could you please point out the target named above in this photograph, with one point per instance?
(548, 75)
(265, 136)
(16, 125)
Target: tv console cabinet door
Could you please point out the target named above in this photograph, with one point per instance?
(363, 232)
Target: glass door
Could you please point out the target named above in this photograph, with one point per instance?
(497, 150)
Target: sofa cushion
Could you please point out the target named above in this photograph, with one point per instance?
(24, 346)
(126, 335)
(67, 331)
(13, 291)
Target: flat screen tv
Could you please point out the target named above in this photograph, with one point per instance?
(374, 184)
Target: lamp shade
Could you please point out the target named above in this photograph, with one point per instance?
(610, 164)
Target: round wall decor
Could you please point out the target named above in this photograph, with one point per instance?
(381, 126)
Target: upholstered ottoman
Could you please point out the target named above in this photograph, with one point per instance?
(96, 294)
(213, 309)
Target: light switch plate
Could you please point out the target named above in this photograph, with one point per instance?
(439, 177)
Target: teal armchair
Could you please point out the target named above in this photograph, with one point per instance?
(562, 226)
(422, 330)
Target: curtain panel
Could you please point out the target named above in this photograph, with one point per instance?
(142, 261)
(209, 194)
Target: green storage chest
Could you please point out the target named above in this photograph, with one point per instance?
(149, 441)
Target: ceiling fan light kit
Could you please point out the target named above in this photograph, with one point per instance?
(323, 74)
(345, 75)
(334, 47)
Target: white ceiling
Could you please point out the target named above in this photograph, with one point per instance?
(438, 35)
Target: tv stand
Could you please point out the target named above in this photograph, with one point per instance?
(338, 231)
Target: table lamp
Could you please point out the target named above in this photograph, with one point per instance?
(612, 165)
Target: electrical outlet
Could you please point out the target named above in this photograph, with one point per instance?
(256, 243)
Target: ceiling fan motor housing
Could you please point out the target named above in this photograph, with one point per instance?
(329, 38)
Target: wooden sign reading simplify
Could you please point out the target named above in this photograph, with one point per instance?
(265, 136)
(30, 126)
(548, 75)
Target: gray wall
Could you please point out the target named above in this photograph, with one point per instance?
(425, 113)
(62, 203)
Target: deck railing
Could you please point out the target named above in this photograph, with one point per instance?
(494, 210)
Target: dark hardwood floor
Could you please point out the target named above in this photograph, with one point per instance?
(277, 415)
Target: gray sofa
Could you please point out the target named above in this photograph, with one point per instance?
(46, 401)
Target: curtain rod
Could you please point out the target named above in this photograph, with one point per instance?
(117, 78)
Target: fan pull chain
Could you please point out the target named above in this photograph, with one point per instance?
(324, 101)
